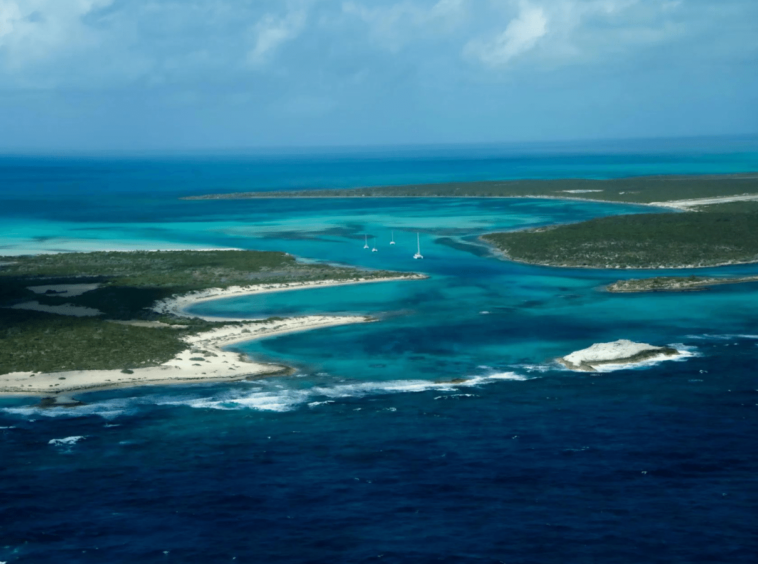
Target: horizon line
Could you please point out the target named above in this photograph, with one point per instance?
(284, 150)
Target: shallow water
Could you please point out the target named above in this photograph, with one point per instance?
(375, 450)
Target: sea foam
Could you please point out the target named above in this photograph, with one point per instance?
(724, 337)
(280, 398)
(107, 409)
(274, 396)
(67, 441)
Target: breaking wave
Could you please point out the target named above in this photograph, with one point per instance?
(287, 399)
(66, 442)
(273, 395)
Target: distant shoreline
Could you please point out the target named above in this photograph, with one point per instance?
(667, 191)
(683, 205)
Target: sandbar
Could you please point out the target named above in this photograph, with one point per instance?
(177, 305)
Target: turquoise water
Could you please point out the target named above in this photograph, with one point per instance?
(373, 450)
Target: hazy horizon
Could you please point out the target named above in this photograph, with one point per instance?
(651, 145)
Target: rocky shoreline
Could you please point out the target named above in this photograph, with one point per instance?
(673, 284)
(623, 352)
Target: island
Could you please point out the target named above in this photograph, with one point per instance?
(722, 231)
(623, 353)
(84, 321)
(674, 283)
(666, 191)
(642, 241)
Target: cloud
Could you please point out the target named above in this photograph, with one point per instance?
(271, 32)
(370, 70)
(32, 30)
(521, 35)
(557, 32)
(394, 25)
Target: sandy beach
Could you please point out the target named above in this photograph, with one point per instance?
(687, 205)
(178, 305)
(204, 360)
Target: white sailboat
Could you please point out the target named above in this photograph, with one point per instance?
(418, 254)
(393, 238)
(366, 245)
(374, 249)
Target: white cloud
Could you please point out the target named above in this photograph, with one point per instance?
(95, 44)
(394, 25)
(33, 30)
(521, 35)
(10, 15)
(557, 32)
(271, 32)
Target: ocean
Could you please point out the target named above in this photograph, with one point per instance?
(374, 450)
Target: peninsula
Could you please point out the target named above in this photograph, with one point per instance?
(84, 321)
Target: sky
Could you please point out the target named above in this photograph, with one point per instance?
(146, 75)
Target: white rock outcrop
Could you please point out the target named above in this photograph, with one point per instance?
(622, 351)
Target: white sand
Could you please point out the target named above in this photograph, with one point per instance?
(686, 204)
(65, 290)
(177, 305)
(218, 364)
(64, 309)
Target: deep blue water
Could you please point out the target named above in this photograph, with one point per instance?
(369, 453)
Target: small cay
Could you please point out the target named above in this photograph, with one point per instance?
(674, 283)
(622, 352)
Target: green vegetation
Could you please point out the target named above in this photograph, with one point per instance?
(674, 283)
(130, 283)
(724, 234)
(34, 341)
(729, 207)
(640, 190)
(178, 270)
(675, 240)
